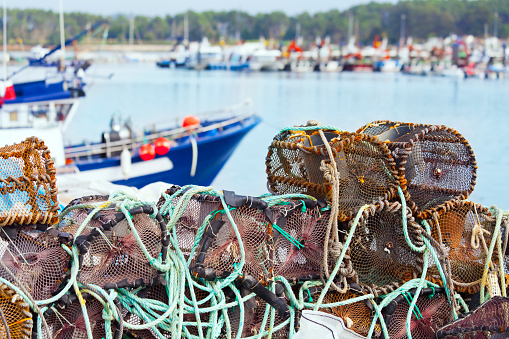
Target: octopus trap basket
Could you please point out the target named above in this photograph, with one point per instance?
(379, 253)
(463, 230)
(35, 260)
(112, 242)
(436, 164)
(299, 161)
(28, 193)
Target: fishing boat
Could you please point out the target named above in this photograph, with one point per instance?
(181, 152)
(265, 60)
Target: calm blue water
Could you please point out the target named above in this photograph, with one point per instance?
(479, 109)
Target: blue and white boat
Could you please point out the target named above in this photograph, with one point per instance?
(195, 156)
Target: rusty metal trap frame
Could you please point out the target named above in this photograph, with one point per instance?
(28, 193)
(302, 159)
(435, 163)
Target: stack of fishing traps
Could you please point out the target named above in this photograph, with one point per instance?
(370, 230)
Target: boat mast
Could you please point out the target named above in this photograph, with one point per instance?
(131, 30)
(5, 40)
(186, 30)
(62, 36)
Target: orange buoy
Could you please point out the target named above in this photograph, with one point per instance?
(147, 152)
(162, 145)
(190, 121)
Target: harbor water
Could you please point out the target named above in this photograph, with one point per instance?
(477, 108)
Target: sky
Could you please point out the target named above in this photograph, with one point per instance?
(162, 7)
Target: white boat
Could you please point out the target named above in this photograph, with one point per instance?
(203, 54)
(331, 66)
(265, 60)
(302, 66)
(387, 66)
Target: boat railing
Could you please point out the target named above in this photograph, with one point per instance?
(224, 113)
(110, 147)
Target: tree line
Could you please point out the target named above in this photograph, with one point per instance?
(421, 18)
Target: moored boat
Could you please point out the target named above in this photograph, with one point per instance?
(191, 155)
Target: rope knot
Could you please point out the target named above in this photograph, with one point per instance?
(328, 171)
(335, 248)
(107, 314)
(477, 235)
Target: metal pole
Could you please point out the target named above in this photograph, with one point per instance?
(402, 32)
(62, 36)
(5, 40)
(495, 26)
(131, 30)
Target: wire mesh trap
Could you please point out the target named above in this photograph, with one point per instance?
(432, 311)
(490, 320)
(110, 242)
(464, 231)
(16, 319)
(285, 239)
(28, 193)
(436, 163)
(298, 161)
(35, 260)
(380, 255)
(66, 320)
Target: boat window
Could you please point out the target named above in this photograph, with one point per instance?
(40, 111)
(13, 116)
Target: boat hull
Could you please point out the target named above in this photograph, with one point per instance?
(213, 151)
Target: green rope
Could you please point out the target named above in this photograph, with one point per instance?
(416, 311)
(310, 128)
(291, 239)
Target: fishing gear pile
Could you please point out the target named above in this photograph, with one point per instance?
(370, 228)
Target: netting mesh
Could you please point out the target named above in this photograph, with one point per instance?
(28, 193)
(68, 322)
(115, 254)
(297, 163)
(436, 162)
(432, 311)
(380, 254)
(463, 229)
(490, 320)
(310, 229)
(16, 314)
(111, 253)
(37, 261)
